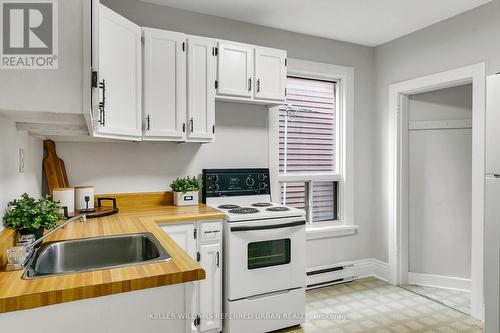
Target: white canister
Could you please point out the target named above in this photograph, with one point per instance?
(186, 199)
(66, 197)
(81, 193)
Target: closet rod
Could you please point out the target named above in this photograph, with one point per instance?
(426, 125)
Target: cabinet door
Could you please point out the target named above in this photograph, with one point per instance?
(211, 287)
(164, 85)
(270, 74)
(183, 235)
(119, 77)
(201, 88)
(235, 70)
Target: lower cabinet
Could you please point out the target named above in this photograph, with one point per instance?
(202, 240)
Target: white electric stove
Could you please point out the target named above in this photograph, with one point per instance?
(264, 252)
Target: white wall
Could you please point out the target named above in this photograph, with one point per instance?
(440, 179)
(463, 40)
(114, 167)
(12, 182)
(147, 166)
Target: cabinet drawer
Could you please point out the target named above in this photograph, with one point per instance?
(210, 230)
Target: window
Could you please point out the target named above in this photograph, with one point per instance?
(307, 146)
(310, 140)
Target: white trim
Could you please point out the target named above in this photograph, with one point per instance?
(345, 110)
(356, 269)
(439, 281)
(398, 187)
(329, 231)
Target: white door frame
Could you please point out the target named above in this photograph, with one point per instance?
(398, 200)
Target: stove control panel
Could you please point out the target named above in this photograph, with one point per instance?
(235, 182)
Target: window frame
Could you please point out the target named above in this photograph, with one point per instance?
(343, 76)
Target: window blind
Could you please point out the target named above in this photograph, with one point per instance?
(307, 131)
(307, 144)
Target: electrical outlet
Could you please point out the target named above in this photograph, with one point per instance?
(21, 160)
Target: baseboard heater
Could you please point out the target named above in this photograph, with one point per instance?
(329, 276)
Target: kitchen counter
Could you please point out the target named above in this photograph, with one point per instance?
(140, 213)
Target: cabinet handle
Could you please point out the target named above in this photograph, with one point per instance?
(218, 259)
(183, 127)
(250, 84)
(102, 104)
(192, 125)
(148, 118)
(258, 85)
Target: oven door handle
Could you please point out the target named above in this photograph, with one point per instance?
(272, 226)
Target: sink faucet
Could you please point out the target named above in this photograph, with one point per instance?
(32, 245)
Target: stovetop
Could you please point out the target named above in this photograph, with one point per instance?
(243, 195)
(241, 209)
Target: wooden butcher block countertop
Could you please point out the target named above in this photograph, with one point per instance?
(142, 212)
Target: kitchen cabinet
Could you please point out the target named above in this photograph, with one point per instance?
(164, 85)
(209, 289)
(235, 69)
(184, 235)
(270, 74)
(250, 74)
(202, 240)
(117, 104)
(201, 88)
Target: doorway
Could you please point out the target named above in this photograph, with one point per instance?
(439, 195)
(414, 248)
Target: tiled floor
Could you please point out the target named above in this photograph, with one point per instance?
(456, 299)
(373, 306)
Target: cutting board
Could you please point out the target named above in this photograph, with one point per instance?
(53, 168)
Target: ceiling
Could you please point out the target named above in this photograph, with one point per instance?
(366, 22)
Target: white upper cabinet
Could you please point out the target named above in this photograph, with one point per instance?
(235, 69)
(270, 74)
(117, 113)
(201, 88)
(164, 85)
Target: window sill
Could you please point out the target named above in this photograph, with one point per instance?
(330, 231)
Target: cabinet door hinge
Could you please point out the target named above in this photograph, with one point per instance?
(93, 79)
(198, 256)
(197, 321)
(195, 233)
(183, 46)
(216, 84)
(213, 129)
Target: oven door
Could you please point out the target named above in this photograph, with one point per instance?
(264, 256)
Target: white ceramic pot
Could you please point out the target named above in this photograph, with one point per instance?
(186, 199)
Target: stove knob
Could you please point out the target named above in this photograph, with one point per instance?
(215, 187)
(214, 178)
(250, 181)
(262, 177)
(262, 185)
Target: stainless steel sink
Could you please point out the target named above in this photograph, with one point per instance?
(90, 254)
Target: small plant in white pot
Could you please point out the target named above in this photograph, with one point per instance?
(186, 191)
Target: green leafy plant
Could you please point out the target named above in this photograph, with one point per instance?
(32, 214)
(186, 184)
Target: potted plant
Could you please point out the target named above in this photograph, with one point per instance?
(186, 191)
(32, 216)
